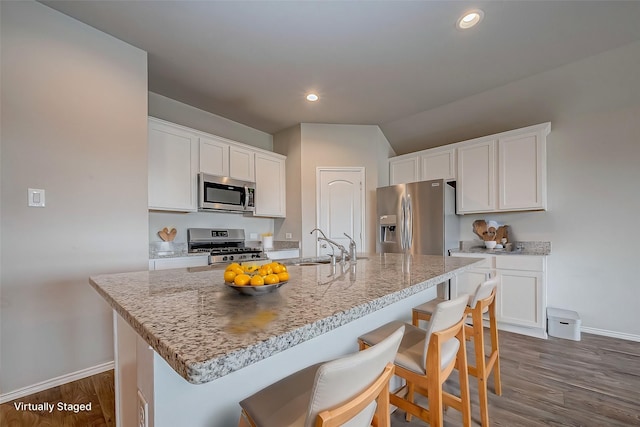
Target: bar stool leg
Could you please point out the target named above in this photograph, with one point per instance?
(478, 344)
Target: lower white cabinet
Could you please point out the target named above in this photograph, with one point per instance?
(521, 300)
(179, 262)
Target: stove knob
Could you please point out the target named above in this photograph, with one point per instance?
(230, 257)
(224, 258)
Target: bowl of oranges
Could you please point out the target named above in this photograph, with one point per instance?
(253, 279)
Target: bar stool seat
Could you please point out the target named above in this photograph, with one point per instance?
(482, 301)
(349, 391)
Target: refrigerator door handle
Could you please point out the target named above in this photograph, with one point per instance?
(409, 241)
(403, 216)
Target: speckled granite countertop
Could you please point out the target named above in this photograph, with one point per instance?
(206, 330)
(519, 248)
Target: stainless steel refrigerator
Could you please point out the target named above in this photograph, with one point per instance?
(417, 218)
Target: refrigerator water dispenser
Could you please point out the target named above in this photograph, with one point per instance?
(388, 228)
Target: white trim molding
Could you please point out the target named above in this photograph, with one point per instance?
(612, 334)
(55, 382)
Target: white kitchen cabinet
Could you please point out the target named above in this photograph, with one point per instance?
(173, 164)
(522, 182)
(476, 186)
(503, 172)
(270, 178)
(404, 169)
(214, 156)
(521, 298)
(241, 163)
(438, 163)
(179, 262)
(222, 157)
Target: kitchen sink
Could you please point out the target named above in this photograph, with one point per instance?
(313, 263)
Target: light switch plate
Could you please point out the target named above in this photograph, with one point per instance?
(287, 235)
(36, 197)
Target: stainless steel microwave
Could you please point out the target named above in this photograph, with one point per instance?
(218, 193)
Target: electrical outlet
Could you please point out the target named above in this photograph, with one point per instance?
(287, 235)
(36, 197)
(143, 411)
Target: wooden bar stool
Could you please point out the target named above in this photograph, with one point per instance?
(482, 301)
(425, 360)
(350, 391)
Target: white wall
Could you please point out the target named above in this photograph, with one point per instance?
(341, 145)
(176, 112)
(74, 107)
(593, 153)
(181, 222)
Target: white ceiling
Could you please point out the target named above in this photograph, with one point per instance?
(371, 62)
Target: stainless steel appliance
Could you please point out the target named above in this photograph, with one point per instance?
(223, 245)
(417, 218)
(218, 193)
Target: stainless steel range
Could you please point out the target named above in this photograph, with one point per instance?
(223, 245)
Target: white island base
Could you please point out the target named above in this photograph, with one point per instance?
(172, 401)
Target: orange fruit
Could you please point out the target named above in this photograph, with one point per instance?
(262, 271)
(277, 268)
(229, 276)
(238, 270)
(232, 266)
(242, 279)
(271, 279)
(257, 280)
(283, 276)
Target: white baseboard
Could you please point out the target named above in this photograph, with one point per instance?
(55, 382)
(612, 334)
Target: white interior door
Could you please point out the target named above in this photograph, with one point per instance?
(340, 202)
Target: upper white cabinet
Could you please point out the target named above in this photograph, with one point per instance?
(503, 172)
(214, 156)
(241, 163)
(425, 165)
(476, 187)
(522, 182)
(438, 163)
(404, 169)
(178, 153)
(222, 157)
(270, 197)
(173, 163)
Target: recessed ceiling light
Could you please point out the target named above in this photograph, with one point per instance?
(312, 97)
(470, 19)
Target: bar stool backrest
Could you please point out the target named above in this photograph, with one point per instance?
(340, 380)
(484, 290)
(446, 314)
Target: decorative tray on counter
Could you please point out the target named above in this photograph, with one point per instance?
(255, 290)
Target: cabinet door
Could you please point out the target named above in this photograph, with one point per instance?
(173, 159)
(521, 172)
(270, 174)
(404, 170)
(476, 177)
(438, 164)
(241, 164)
(467, 281)
(520, 298)
(214, 157)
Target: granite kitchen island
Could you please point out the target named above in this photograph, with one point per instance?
(200, 347)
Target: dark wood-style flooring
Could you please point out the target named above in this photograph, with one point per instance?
(554, 382)
(97, 390)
